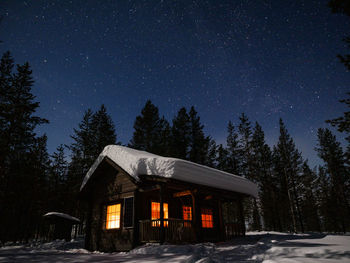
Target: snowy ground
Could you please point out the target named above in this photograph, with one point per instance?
(255, 247)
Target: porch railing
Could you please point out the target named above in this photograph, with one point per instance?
(175, 230)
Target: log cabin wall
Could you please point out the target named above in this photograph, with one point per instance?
(110, 186)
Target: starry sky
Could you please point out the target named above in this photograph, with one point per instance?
(269, 59)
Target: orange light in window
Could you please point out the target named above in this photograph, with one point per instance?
(113, 216)
(155, 213)
(187, 215)
(207, 218)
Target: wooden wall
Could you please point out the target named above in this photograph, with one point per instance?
(110, 185)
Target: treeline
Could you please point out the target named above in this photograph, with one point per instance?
(32, 182)
(292, 197)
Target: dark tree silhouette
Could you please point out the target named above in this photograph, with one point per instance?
(22, 154)
(150, 131)
(343, 7)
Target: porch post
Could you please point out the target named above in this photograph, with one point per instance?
(221, 220)
(161, 201)
(241, 216)
(196, 216)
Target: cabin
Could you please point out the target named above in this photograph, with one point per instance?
(134, 197)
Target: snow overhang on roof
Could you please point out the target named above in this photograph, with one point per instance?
(136, 163)
(62, 215)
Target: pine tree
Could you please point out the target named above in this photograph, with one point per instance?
(6, 91)
(180, 135)
(288, 166)
(165, 138)
(245, 149)
(82, 157)
(58, 187)
(222, 158)
(83, 147)
(246, 168)
(94, 132)
(59, 166)
(212, 154)
(18, 142)
(285, 222)
(343, 7)
(308, 204)
(262, 168)
(149, 130)
(330, 151)
(234, 160)
(103, 130)
(343, 125)
(39, 187)
(199, 143)
(326, 206)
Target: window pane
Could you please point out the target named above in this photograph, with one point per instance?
(128, 212)
(113, 216)
(187, 212)
(155, 213)
(207, 217)
(187, 215)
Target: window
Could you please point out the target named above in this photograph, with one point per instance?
(207, 218)
(155, 213)
(128, 212)
(187, 215)
(113, 216)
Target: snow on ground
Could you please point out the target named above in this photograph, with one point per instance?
(259, 247)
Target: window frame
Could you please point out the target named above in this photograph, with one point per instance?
(188, 209)
(105, 221)
(133, 212)
(157, 222)
(205, 222)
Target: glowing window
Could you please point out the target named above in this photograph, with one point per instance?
(187, 215)
(113, 216)
(155, 213)
(207, 218)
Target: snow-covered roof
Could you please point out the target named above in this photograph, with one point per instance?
(62, 215)
(137, 163)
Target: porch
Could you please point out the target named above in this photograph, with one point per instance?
(177, 212)
(179, 231)
(174, 230)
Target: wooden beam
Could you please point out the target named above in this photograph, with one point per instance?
(196, 216)
(161, 200)
(149, 188)
(183, 193)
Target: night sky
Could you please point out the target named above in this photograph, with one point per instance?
(269, 59)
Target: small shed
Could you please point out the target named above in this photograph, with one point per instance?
(60, 225)
(136, 197)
